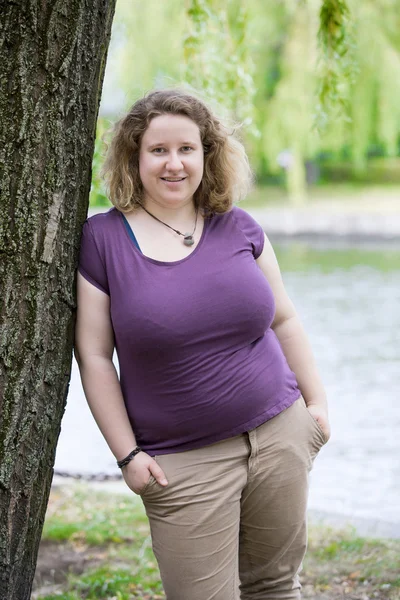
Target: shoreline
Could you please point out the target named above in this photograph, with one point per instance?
(325, 225)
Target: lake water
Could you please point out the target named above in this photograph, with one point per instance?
(349, 302)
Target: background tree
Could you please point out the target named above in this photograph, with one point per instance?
(148, 45)
(52, 58)
(255, 62)
(316, 82)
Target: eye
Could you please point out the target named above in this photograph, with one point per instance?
(158, 150)
(187, 148)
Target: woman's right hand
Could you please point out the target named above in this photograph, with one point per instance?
(138, 471)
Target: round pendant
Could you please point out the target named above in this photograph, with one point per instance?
(188, 239)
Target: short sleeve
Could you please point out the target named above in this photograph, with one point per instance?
(251, 230)
(91, 264)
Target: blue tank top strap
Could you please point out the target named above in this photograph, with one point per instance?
(130, 232)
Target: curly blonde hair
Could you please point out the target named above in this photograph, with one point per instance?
(227, 175)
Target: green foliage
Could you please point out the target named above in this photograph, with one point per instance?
(360, 559)
(88, 521)
(105, 582)
(373, 87)
(337, 63)
(288, 112)
(109, 581)
(334, 549)
(148, 51)
(375, 105)
(217, 57)
(382, 171)
(97, 192)
(310, 77)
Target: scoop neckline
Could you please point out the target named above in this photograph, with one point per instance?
(163, 262)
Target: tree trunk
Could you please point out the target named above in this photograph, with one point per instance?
(296, 180)
(52, 59)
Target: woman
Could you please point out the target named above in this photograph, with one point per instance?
(207, 421)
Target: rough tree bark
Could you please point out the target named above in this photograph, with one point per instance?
(52, 59)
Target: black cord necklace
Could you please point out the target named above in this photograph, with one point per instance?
(188, 239)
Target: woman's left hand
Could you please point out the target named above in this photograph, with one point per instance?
(320, 414)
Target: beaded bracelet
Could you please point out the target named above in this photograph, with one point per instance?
(127, 459)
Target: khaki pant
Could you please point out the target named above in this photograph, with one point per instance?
(236, 510)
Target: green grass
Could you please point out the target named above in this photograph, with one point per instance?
(111, 581)
(91, 520)
(111, 532)
(357, 559)
(66, 596)
(105, 582)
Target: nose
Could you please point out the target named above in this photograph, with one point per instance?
(174, 163)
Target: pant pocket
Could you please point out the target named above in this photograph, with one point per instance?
(316, 425)
(151, 481)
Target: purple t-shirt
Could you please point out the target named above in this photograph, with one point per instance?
(198, 360)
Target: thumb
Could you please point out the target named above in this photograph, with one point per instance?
(158, 473)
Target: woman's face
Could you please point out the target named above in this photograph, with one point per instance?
(171, 161)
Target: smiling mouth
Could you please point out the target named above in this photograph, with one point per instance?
(173, 179)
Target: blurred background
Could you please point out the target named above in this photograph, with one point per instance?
(321, 124)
